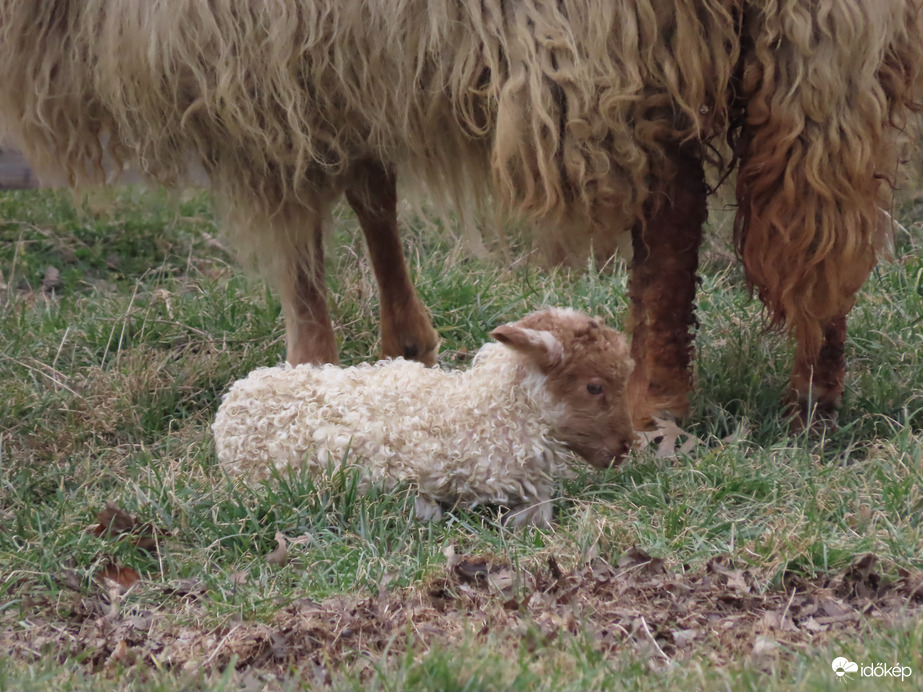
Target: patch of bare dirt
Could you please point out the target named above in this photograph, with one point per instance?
(719, 612)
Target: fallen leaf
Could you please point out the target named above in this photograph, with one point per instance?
(52, 280)
(634, 558)
(191, 588)
(484, 571)
(554, 568)
(764, 646)
(683, 637)
(70, 579)
(665, 436)
(123, 576)
(279, 556)
(812, 625)
(120, 654)
(743, 430)
(450, 557)
(778, 620)
(501, 580)
(114, 520)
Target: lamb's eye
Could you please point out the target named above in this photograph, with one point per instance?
(594, 388)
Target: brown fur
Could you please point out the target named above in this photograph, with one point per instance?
(587, 366)
(405, 325)
(662, 291)
(581, 115)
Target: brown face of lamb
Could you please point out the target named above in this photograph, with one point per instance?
(587, 366)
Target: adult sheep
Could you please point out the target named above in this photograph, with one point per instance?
(591, 117)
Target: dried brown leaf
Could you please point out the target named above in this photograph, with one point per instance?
(634, 558)
(191, 588)
(665, 437)
(450, 558)
(120, 654)
(501, 580)
(812, 625)
(70, 579)
(52, 280)
(279, 556)
(684, 637)
(764, 647)
(114, 520)
(554, 568)
(123, 576)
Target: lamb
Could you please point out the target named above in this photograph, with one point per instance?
(498, 433)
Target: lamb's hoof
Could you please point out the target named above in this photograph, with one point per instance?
(426, 509)
(538, 515)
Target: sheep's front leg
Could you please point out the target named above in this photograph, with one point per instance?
(817, 383)
(308, 329)
(405, 325)
(662, 291)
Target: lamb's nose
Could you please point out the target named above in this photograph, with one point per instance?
(623, 449)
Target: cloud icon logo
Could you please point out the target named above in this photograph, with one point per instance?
(842, 665)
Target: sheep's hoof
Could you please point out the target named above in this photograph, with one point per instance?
(817, 418)
(538, 515)
(817, 423)
(426, 509)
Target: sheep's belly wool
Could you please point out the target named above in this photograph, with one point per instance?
(469, 437)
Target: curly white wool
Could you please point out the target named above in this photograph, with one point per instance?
(483, 435)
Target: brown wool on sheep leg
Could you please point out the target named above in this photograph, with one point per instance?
(662, 292)
(406, 329)
(308, 329)
(817, 384)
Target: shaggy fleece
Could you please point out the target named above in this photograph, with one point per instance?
(483, 435)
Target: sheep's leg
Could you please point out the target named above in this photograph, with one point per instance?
(308, 329)
(405, 325)
(662, 291)
(817, 383)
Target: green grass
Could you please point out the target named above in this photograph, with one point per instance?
(110, 377)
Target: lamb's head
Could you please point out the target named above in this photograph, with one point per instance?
(586, 367)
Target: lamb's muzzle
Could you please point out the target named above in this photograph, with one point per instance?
(501, 432)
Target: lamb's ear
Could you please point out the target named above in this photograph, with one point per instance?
(542, 346)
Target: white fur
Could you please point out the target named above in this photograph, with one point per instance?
(484, 435)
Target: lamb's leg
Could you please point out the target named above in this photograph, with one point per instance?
(662, 291)
(405, 325)
(817, 383)
(308, 329)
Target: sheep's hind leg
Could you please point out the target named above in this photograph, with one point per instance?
(406, 329)
(662, 292)
(817, 383)
(308, 329)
